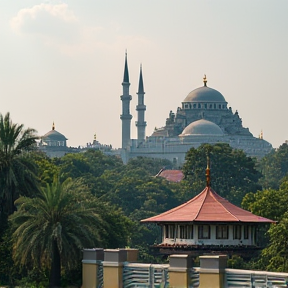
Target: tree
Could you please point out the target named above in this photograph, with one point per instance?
(269, 203)
(51, 229)
(17, 170)
(274, 167)
(233, 174)
(276, 254)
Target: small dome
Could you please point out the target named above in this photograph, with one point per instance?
(204, 94)
(202, 127)
(54, 135)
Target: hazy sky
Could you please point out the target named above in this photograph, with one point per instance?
(64, 61)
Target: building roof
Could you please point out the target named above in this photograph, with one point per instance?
(208, 206)
(171, 175)
(54, 135)
(202, 127)
(205, 94)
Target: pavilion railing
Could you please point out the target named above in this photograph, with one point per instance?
(100, 274)
(145, 275)
(235, 278)
(194, 277)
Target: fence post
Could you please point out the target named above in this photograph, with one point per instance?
(113, 267)
(90, 266)
(179, 270)
(212, 271)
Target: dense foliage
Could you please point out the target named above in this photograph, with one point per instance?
(17, 171)
(117, 197)
(233, 173)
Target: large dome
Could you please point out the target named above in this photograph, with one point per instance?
(202, 127)
(54, 135)
(205, 94)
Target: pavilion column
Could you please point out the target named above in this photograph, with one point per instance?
(212, 271)
(113, 267)
(90, 265)
(179, 270)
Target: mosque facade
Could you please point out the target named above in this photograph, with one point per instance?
(203, 117)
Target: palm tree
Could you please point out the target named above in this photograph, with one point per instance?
(50, 230)
(17, 171)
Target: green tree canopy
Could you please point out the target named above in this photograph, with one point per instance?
(274, 167)
(233, 174)
(18, 175)
(52, 228)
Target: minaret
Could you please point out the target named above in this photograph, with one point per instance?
(126, 116)
(141, 108)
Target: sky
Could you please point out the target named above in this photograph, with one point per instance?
(64, 62)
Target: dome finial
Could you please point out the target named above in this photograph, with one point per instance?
(95, 137)
(208, 178)
(205, 80)
(53, 126)
(261, 135)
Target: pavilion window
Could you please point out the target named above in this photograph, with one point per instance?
(205, 106)
(246, 232)
(199, 105)
(182, 231)
(166, 231)
(194, 106)
(210, 106)
(186, 232)
(237, 232)
(204, 232)
(222, 232)
(171, 231)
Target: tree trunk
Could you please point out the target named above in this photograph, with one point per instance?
(55, 276)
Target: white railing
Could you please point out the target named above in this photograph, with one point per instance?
(235, 278)
(100, 274)
(145, 275)
(194, 277)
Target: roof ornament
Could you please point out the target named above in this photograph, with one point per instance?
(261, 135)
(208, 178)
(95, 136)
(53, 126)
(205, 80)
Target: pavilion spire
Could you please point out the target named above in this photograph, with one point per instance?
(208, 177)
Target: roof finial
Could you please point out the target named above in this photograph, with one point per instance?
(53, 126)
(95, 136)
(205, 80)
(261, 134)
(208, 178)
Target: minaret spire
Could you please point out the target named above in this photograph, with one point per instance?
(126, 73)
(126, 116)
(141, 108)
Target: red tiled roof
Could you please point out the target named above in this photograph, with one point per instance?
(208, 206)
(171, 175)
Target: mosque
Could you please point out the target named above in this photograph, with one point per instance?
(204, 117)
